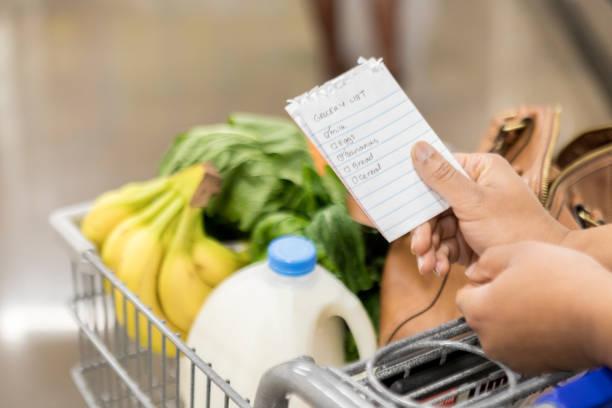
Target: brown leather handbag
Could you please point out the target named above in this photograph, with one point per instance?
(575, 186)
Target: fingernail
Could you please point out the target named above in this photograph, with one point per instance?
(420, 262)
(412, 246)
(436, 271)
(469, 271)
(438, 268)
(423, 151)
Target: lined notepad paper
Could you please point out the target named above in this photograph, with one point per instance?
(363, 123)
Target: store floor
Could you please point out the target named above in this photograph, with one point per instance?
(91, 93)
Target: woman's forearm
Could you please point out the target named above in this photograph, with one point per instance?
(599, 312)
(596, 242)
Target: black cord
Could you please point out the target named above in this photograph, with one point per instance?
(417, 314)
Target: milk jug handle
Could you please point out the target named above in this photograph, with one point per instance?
(352, 312)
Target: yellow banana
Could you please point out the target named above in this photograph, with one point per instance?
(147, 292)
(168, 235)
(115, 206)
(214, 261)
(138, 269)
(181, 292)
(112, 249)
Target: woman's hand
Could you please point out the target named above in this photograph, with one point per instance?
(493, 206)
(540, 307)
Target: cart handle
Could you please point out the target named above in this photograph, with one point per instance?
(303, 378)
(65, 222)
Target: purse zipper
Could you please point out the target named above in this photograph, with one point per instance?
(545, 182)
(569, 169)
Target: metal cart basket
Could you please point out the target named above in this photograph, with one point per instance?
(441, 367)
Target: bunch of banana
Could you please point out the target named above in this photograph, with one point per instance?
(151, 237)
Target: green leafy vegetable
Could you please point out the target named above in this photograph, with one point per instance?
(274, 226)
(262, 162)
(334, 187)
(340, 246)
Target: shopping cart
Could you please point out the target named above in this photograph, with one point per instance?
(441, 367)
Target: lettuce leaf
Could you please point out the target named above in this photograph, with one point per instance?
(340, 247)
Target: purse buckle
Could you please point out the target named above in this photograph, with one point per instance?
(508, 135)
(512, 124)
(586, 218)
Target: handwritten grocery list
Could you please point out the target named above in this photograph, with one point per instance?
(363, 123)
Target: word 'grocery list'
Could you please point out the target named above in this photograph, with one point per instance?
(363, 123)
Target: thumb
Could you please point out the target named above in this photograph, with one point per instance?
(492, 262)
(480, 274)
(471, 302)
(440, 175)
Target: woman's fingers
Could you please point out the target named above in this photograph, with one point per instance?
(427, 262)
(428, 244)
(492, 262)
(451, 249)
(435, 239)
(442, 259)
(429, 234)
(472, 302)
(421, 239)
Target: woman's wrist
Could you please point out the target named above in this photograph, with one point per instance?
(554, 232)
(594, 242)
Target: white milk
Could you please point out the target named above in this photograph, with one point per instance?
(272, 312)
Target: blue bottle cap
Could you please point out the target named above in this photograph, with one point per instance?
(292, 255)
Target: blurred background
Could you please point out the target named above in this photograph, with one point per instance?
(92, 92)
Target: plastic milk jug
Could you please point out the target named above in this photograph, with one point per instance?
(272, 312)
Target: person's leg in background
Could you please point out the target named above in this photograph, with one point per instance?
(385, 16)
(326, 16)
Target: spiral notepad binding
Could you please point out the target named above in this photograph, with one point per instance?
(331, 86)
